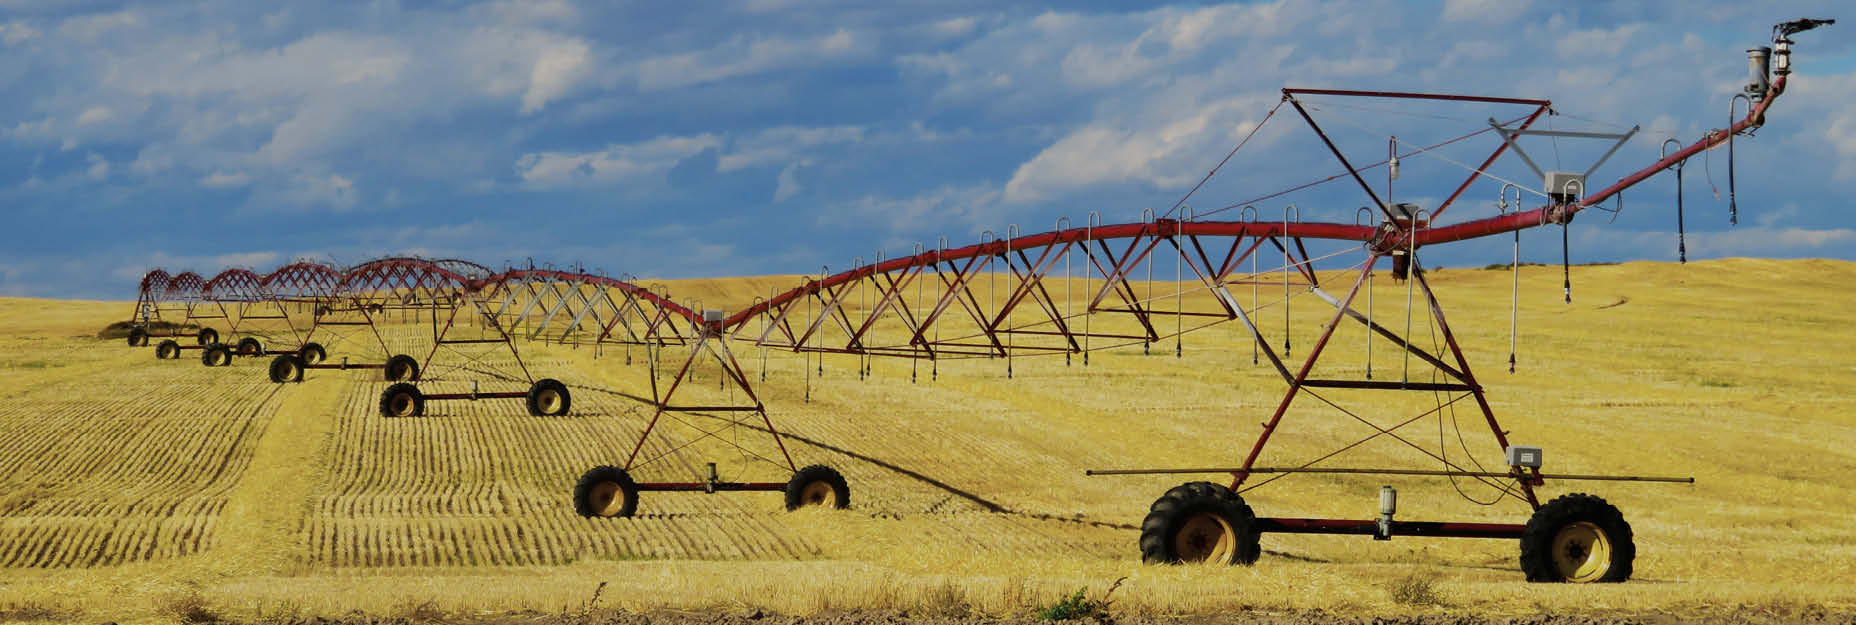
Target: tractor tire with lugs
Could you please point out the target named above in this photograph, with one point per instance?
(1577, 538)
(1200, 522)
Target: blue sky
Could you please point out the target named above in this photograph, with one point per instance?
(774, 136)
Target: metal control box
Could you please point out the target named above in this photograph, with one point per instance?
(1525, 457)
(1565, 186)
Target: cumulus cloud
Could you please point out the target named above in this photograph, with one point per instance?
(1098, 154)
(556, 71)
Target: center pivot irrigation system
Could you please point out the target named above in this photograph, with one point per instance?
(944, 303)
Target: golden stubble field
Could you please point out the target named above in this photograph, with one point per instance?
(130, 486)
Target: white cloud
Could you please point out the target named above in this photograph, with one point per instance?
(91, 28)
(615, 163)
(955, 27)
(223, 180)
(99, 166)
(1760, 241)
(974, 206)
(15, 32)
(94, 115)
(1484, 11)
(781, 143)
(742, 56)
(1098, 154)
(788, 181)
(41, 129)
(1764, 241)
(249, 260)
(555, 73)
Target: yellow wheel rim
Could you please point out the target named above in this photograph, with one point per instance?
(220, 358)
(1582, 552)
(605, 499)
(818, 494)
(550, 401)
(402, 405)
(289, 371)
(1205, 537)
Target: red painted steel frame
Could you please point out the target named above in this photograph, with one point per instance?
(1030, 259)
(1382, 238)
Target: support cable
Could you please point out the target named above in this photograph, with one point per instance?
(1227, 158)
(1276, 194)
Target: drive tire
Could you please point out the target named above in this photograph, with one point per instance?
(402, 400)
(216, 355)
(169, 349)
(208, 336)
(249, 346)
(1200, 522)
(817, 486)
(286, 368)
(1577, 538)
(312, 353)
(549, 398)
(606, 492)
(138, 337)
(401, 368)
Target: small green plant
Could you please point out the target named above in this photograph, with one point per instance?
(1077, 606)
(1414, 590)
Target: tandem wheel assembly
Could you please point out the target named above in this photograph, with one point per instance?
(547, 397)
(1576, 538)
(610, 491)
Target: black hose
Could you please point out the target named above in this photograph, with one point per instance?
(1566, 258)
(1681, 230)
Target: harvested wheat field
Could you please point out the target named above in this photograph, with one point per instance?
(142, 490)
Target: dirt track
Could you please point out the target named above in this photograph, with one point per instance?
(1742, 616)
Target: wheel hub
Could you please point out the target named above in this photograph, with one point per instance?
(603, 497)
(819, 494)
(1582, 552)
(1205, 537)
